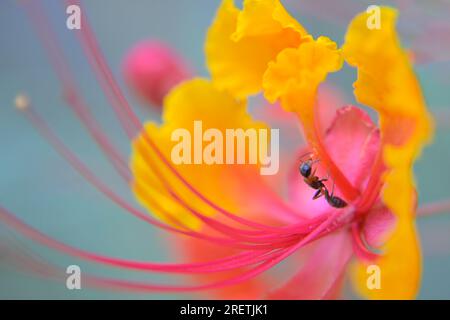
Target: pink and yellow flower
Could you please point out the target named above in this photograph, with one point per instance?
(261, 48)
(231, 223)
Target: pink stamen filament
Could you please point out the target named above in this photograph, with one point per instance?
(277, 239)
(212, 223)
(274, 240)
(144, 287)
(237, 261)
(77, 105)
(223, 264)
(434, 208)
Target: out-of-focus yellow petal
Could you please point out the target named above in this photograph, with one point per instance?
(387, 83)
(240, 43)
(294, 79)
(264, 17)
(194, 100)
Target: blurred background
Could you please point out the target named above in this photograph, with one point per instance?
(41, 188)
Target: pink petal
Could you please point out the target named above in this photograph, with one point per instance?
(378, 225)
(152, 69)
(322, 273)
(353, 141)
(300, 194)
(360, 246)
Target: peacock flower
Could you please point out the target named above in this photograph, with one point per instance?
(261, 48)
(233, 224)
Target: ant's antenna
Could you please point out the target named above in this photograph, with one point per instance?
(309, 154)
(305, 154)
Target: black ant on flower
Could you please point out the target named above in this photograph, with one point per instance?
(309, 176)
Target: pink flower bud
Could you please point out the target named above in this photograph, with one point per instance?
(152, 69)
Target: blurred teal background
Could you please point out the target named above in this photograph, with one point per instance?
(41, 188)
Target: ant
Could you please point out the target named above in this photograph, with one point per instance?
(309, 176)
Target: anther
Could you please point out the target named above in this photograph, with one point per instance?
(22, 102)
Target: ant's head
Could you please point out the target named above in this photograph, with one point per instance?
(305, 169)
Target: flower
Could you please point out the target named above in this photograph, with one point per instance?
(231, 223)
(262, 48)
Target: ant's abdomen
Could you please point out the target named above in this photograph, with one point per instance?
(337, 202)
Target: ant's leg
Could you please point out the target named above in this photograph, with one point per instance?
(332, 190)
(326, 179)
(318, 194)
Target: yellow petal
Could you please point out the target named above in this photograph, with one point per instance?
(194, 100)
(400, 268)
(387, 83)
(240, 44)
(302, 68)
(264, 17)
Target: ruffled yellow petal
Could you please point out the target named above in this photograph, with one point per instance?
(240, 43)
(302, 68)
(386, 82)
(194, 100)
